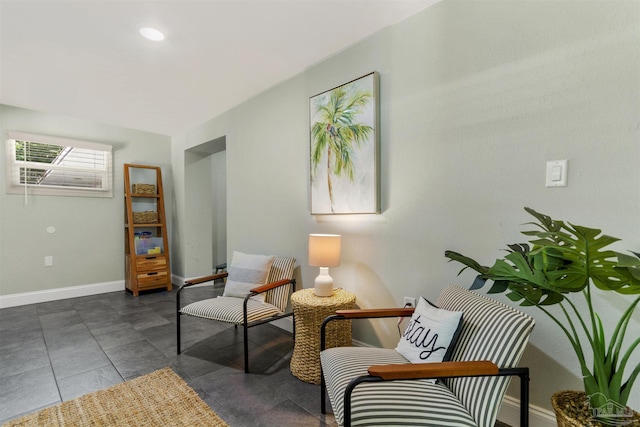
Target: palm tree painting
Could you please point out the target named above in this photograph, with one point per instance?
(344, 152)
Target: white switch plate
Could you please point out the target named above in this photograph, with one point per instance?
(48, 261)
(557, 173)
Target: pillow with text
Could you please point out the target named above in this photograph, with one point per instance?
(431, 334)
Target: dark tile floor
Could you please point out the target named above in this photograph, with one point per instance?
(56, 351)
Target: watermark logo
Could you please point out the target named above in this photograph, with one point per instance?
(610, 413)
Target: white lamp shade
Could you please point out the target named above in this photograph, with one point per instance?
(324, 250)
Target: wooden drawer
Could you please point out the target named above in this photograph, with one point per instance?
(152, 279)
(151, 263)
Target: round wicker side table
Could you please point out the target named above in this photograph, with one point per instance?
(309, 312)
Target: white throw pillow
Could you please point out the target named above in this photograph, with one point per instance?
(431, 334)
(246, 272)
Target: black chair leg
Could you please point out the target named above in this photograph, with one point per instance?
(524, 399)
(178, 314)
(246, 349)
(178, 331)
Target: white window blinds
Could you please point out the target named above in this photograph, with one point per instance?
(49, 165)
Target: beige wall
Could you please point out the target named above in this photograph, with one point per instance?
(476, 97)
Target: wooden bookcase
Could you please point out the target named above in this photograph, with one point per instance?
(146, 248)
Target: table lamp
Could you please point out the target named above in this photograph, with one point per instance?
(324, 252)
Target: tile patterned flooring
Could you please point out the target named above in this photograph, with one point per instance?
(56, 351)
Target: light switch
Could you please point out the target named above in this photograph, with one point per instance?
(557, 173)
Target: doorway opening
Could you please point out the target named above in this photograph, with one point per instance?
(206, 196)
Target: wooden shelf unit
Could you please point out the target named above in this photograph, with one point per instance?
(146, 257)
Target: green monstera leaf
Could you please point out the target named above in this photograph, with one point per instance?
(563, 261)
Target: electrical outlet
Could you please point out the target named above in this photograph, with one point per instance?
(409, 302)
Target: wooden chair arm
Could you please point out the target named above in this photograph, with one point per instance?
(265, 288)
(204, 279)
(434, 370)
(410, 371)
(375, 312)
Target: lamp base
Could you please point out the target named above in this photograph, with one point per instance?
(323, 283)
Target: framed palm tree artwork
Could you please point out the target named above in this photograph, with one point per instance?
(344, 148)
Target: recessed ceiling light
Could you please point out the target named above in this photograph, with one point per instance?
(151, 34)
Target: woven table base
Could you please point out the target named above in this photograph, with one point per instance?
(160, 398)
(309, 313)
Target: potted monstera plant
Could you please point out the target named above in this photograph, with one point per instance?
(561, 264)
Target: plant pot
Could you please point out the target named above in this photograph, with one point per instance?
(573, 410)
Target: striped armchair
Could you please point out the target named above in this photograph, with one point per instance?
(374, 386)
(246, 311)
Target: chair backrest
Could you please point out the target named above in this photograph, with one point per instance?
(281, 269)
(490, 331)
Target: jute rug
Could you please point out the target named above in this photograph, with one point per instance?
(160, 398)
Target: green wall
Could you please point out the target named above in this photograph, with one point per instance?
(88, 245)
(476, 96)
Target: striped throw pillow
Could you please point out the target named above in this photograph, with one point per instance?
(246, 272)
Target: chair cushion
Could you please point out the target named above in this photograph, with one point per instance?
(229, 309)
(431, 334)
(246, 272)
(411, 403)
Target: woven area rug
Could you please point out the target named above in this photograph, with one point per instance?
(160, 398)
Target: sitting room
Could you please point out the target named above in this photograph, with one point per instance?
(420, 133)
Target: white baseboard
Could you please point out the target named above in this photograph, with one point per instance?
(538, 417)
(285, 324)
(25, 298)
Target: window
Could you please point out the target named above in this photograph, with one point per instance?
(47, 165)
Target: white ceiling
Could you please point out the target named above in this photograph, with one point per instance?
(85, 58)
